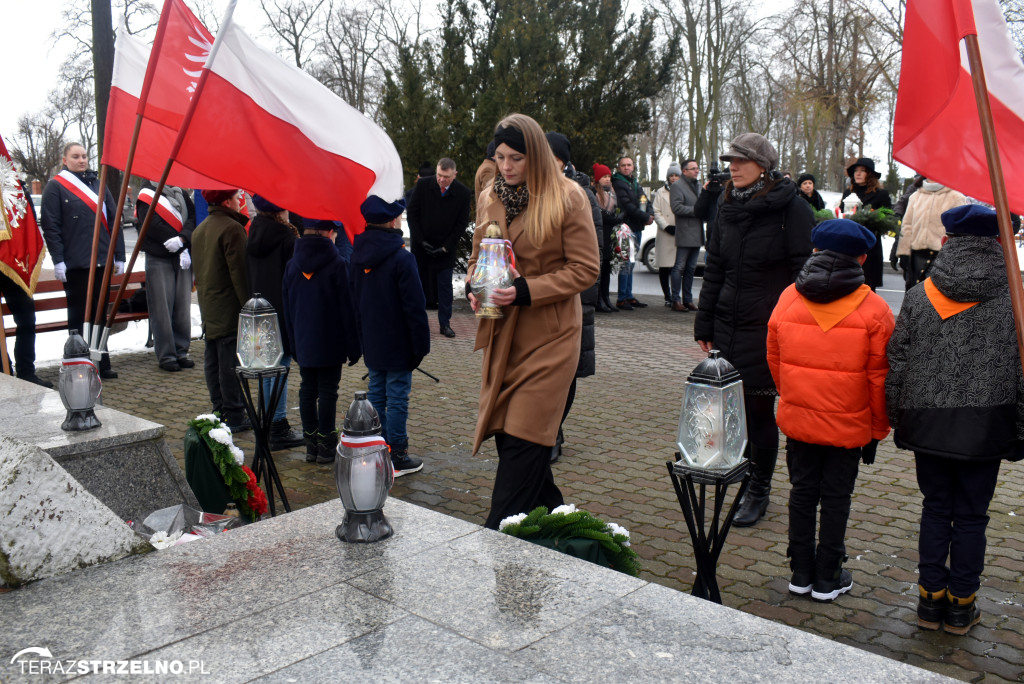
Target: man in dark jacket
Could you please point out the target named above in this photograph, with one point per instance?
(218, 256)
(637, 212)
(438, 216)
(69, 207)
(169, 273)
(955, 395)
(391, 318)
(689, 235)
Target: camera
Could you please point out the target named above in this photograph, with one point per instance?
(715, 175)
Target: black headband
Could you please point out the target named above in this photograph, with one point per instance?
(511, 136)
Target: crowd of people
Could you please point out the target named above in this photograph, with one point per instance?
(788, 300)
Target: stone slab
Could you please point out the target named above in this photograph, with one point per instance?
(442, 600)
(49, 523)
(125, 462)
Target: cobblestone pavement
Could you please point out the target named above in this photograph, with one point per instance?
(619, 436)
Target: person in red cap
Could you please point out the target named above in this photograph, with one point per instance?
(610, 217)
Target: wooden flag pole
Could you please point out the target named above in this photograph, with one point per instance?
(6, 360)
(94, 254)
(1000, 198)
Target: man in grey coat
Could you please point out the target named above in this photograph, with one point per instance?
(689, 236)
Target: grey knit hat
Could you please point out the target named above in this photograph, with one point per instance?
(674, 169)
(754, 147)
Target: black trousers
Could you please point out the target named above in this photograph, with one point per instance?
(318, 398)
(219, 363)
(605, 278)
(23, 310)
(77, 290)
(762, 430)
(663, 279)
(523, 481)
(821, 476)
(954, 516)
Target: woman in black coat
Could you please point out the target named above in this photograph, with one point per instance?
(760, 241)
(864, 182)
(809, 191)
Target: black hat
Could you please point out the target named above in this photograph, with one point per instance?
(263, 204)
(868, 164)
(490, 149)
(843, 236)
(426, 170)
(560, 147)
(322, 224)
(971, 219)
(806, 177)
(380, 213)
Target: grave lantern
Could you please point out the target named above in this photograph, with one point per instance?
(364, 474)
(79, 385)
(259, 335)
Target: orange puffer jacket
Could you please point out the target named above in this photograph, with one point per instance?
(829, 365)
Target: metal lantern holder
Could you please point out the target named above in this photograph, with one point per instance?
(707, 542)
(261, 415)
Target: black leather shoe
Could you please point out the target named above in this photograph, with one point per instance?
(282, 436)
(36, 380)
(170, 366)
(751, 510)
(186, 362)
(447, 331)
(601, 307)
(637, 304)
(625, 306)
(108, 374)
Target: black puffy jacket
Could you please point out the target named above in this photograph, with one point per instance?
(756, 250)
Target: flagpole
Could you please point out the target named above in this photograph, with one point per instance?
(6, 360)
(170, 160)
(94, 254)
(999, 195)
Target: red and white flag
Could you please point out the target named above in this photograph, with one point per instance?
(937, 131)
(160, 85)
(21, 243)
(308, 150)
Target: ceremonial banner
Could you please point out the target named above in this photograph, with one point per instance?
(21, 242)
(937, 131)
(161, 85)
(316, 154)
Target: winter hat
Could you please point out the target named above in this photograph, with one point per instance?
(843, 236)
(213, 197)
(674, 169)
(868, 164)
(600, 171)
(806, 177)
(263, 204)
(560, 146)
(971, 219)
(322, 224)
(380, 213)
(490, 150)
(511, 136)
(426, 170)
(754, 147)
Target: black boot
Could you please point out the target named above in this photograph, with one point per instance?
(755, 502)
(327, 448)
(802, 565)
(556, 451)
(961, 614)
(608, 304)
(931, 608)
(283, 437)
(830, 579)
(312, 440)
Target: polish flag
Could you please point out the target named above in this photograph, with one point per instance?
(179, 51)
(937, 131)
(306, 149)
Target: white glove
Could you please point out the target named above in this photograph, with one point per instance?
(185, 260)
(118, 267)
(60, 272)
(174, 244)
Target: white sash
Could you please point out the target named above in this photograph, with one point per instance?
(166, 210)
(83, 192)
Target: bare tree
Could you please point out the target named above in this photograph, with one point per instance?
(36, 147)
(294, 22)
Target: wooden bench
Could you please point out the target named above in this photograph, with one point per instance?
(50, 297)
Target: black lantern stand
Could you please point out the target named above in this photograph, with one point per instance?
(261, 415)
(707, 543)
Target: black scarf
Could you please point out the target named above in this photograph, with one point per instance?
(740, 212)
(514, 197)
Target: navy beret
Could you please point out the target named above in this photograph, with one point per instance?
(971, 219)
(322, 224)
(843, 236)
(263, 204)
(380, 213)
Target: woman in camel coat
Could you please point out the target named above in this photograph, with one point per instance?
(530, 355)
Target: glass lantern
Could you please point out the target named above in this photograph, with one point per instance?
(713, 425)
(364, 474)
(492, 271)
(259, 335)
(79, 385)
(852, 204)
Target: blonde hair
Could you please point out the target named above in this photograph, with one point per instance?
(549, 193)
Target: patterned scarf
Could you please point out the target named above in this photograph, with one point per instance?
(744, 194)
(514, 198)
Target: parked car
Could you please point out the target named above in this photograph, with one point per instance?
(37, 202)
(647, 251)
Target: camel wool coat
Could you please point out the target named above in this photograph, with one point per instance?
(530, 355)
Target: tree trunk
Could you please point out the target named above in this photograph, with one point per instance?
(103, 70)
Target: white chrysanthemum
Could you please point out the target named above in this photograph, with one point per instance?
(162, 540)
(618, 529)
(512, 520)
(221, 435)
(238, 454)
(210, 417)
(564, 509)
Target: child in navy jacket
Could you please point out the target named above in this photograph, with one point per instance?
(392, 320)
(321, 329)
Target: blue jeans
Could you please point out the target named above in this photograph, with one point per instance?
(626, 273)
(389, 394)
(682, 273)
(279, 412)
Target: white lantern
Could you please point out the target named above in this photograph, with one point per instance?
(364, 474)
(259, 335)
(713, 425)
(852, 204)
(79, 385)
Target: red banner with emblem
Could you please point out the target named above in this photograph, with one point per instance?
(21, 243)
